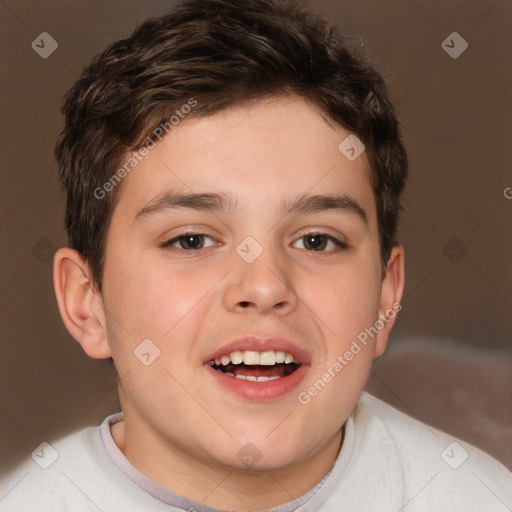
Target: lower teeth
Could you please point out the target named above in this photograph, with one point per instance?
(288, 370)
(252, 378)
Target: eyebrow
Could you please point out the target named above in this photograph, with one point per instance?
(223, 202)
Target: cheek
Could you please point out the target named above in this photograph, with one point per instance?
(149, 300)
(166, 304)
(345, 301)
(347, 304)
(150, 297)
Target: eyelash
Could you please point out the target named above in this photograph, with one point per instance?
(340, 245)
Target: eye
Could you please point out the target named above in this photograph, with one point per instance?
(189, 242)
(318, 242)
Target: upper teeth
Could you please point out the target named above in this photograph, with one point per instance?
(251, 357)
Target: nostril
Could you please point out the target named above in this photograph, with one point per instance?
(244, 304)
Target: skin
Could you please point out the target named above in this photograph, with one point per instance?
(178, 423)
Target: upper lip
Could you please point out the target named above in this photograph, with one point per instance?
(261, 344)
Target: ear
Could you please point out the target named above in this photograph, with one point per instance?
(80, 303)
(393, 281)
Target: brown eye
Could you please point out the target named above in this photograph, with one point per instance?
(315, 242)
(188, 242)
(318, 242)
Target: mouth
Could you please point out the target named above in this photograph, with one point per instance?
(254, 366)
(258, 369)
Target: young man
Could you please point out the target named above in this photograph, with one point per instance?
(233, 178)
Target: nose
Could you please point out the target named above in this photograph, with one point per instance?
(263, 286)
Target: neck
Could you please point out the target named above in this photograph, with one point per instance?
(220, 486)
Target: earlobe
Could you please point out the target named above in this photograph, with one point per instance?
(392, 289)
(80, 303)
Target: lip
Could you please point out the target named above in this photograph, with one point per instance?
(260, 391)
(260, 345)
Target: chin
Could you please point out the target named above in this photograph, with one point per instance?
(261, 455)
(259, 463)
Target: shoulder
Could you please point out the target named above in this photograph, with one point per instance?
(75, 473)
(43, 472)
(52, 472)
(437, 468)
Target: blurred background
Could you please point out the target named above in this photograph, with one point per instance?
(447, 65)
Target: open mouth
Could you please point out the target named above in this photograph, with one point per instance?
(256, 366)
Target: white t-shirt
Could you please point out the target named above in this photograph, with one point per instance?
(388, 462)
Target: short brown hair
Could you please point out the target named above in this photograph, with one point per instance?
(220, 53)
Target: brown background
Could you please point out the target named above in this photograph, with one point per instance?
(456, 116)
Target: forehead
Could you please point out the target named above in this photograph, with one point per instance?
(263, 154)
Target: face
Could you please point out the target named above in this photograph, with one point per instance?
(257, 265)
